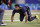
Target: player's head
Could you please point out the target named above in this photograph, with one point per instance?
(17, 7)
(1, 1)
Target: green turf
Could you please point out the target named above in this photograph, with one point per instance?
(21, 24)
(18, 23)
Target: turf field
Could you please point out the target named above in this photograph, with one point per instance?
(17, 23)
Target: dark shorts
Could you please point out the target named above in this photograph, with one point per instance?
(22, 17)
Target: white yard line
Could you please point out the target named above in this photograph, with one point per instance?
(31, 13)
(13, 20)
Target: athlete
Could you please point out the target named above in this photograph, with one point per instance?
(2, 10)
(21, 11)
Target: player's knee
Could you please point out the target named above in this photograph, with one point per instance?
(21, 19)
(29, 20)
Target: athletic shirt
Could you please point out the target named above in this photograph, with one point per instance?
(21, 11)
(27, 10)
(3, 6)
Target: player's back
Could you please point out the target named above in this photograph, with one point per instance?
(20, 11)
(27, 10)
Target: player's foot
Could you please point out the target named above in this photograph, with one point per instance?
(37, 18)
(2, 24)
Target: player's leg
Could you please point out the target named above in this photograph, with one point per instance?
(1, 18)
(21, 17)
(31, 18)
(35, 17)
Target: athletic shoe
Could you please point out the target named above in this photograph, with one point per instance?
(37, 18)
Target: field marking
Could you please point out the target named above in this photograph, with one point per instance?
(13, 20)
(32, 13)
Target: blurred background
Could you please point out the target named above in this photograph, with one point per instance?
(33, 4)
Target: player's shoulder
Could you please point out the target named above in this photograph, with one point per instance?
(22, 8)
(13, 11)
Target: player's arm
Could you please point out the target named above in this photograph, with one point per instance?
(12, 17)
(26, 17)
